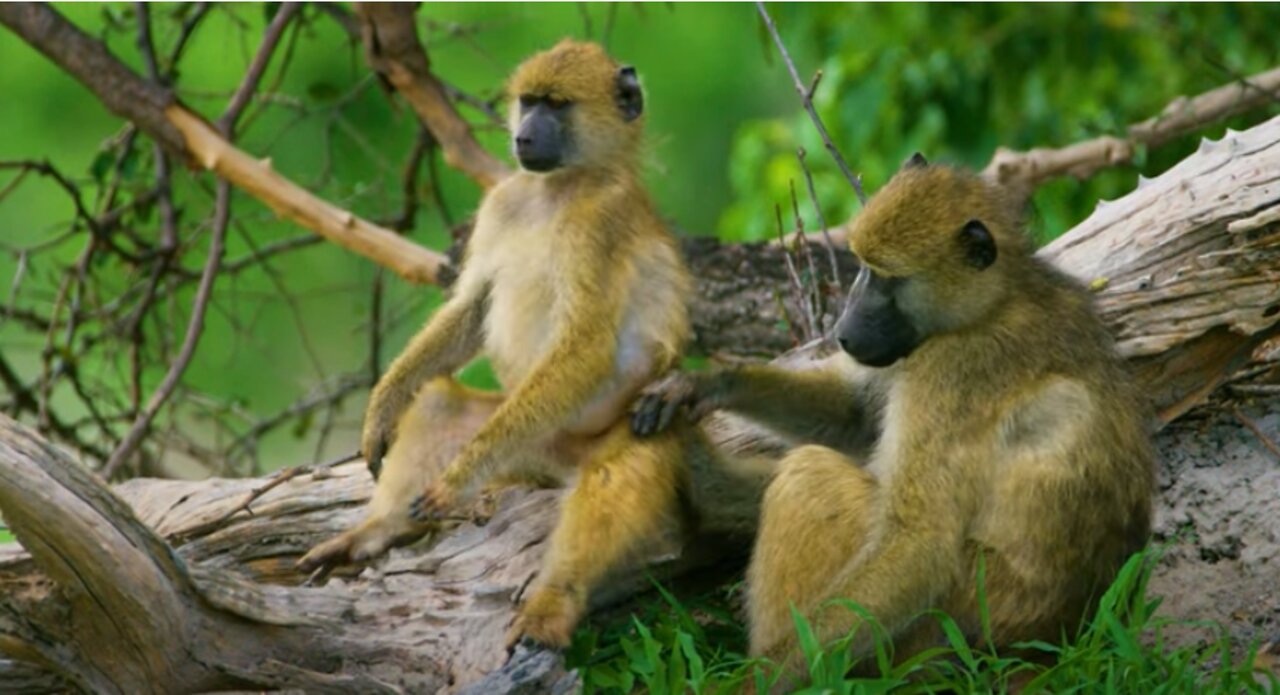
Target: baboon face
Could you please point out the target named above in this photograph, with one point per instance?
(929, 261)
(889, 316)
(873, 328)
(573, 105)
(543, 141)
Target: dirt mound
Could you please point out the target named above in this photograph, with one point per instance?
(1219, 516)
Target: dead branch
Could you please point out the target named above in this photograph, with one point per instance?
(1025, 171)
(144, 621)
(187, 135)
(392, 48)
(806, 99)
(1187, 265)
(222, 217)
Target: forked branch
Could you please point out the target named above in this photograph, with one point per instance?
(392, 47)
(183, 133)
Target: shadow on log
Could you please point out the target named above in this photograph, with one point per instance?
(153, 589)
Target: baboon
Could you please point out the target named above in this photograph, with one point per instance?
(977, 413)
(575, 290)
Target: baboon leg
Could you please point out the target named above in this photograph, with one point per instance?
(625, 503)
(815, 520)
(443, 417)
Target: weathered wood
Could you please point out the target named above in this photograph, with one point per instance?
(1191, 265)
(159, 594)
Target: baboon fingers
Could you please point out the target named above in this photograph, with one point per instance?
(332, 552)
(432, 505)
(644, 415)
(374, 450)
(668, 413)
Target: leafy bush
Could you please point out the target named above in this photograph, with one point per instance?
(673, 647)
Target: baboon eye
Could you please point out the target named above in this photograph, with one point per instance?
(978, 245)
(557, 102)
(528, 101)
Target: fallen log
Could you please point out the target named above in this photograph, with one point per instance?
(156, 586)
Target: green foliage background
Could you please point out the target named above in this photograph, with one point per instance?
(953, 81)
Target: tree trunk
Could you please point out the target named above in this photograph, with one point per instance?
(160, 586)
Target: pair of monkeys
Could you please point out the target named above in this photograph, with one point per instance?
(976, 414)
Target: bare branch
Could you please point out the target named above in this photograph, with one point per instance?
(817, 210)
(154, 110)
(806, 94)
(1024, 171)
(292, 202)
(275, 30)
(393, 49)
(222, 217)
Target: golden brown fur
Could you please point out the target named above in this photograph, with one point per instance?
(574, 289)
(1012, 432)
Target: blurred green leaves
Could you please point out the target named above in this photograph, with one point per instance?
(955, 81)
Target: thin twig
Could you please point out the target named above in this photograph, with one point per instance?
(796, 285)
(280, 478)
(345, 386)
(270, 40)
(815, 297)
(168, 224)
(145, 45)
(221, 219)
(1257, 431)
(25, 400)
(822, 219)
(404, 221)
(808, 104)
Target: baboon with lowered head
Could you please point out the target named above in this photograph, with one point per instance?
(977, 413)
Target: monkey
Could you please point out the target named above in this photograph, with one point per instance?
(575, 289)
(975, 415)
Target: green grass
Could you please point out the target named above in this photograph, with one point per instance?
(5, 535)
(698, 646)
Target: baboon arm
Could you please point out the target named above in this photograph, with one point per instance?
(449, 340)
(830, 404)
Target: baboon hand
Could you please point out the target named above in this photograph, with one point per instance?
(434, 504)
(659, 402)
(379, 429)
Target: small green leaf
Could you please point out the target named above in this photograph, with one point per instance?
(101, 165)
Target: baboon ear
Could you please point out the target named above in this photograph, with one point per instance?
(978, 245)
(915, 161)
(630, 100)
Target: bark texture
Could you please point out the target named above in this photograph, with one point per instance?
(152, 587)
